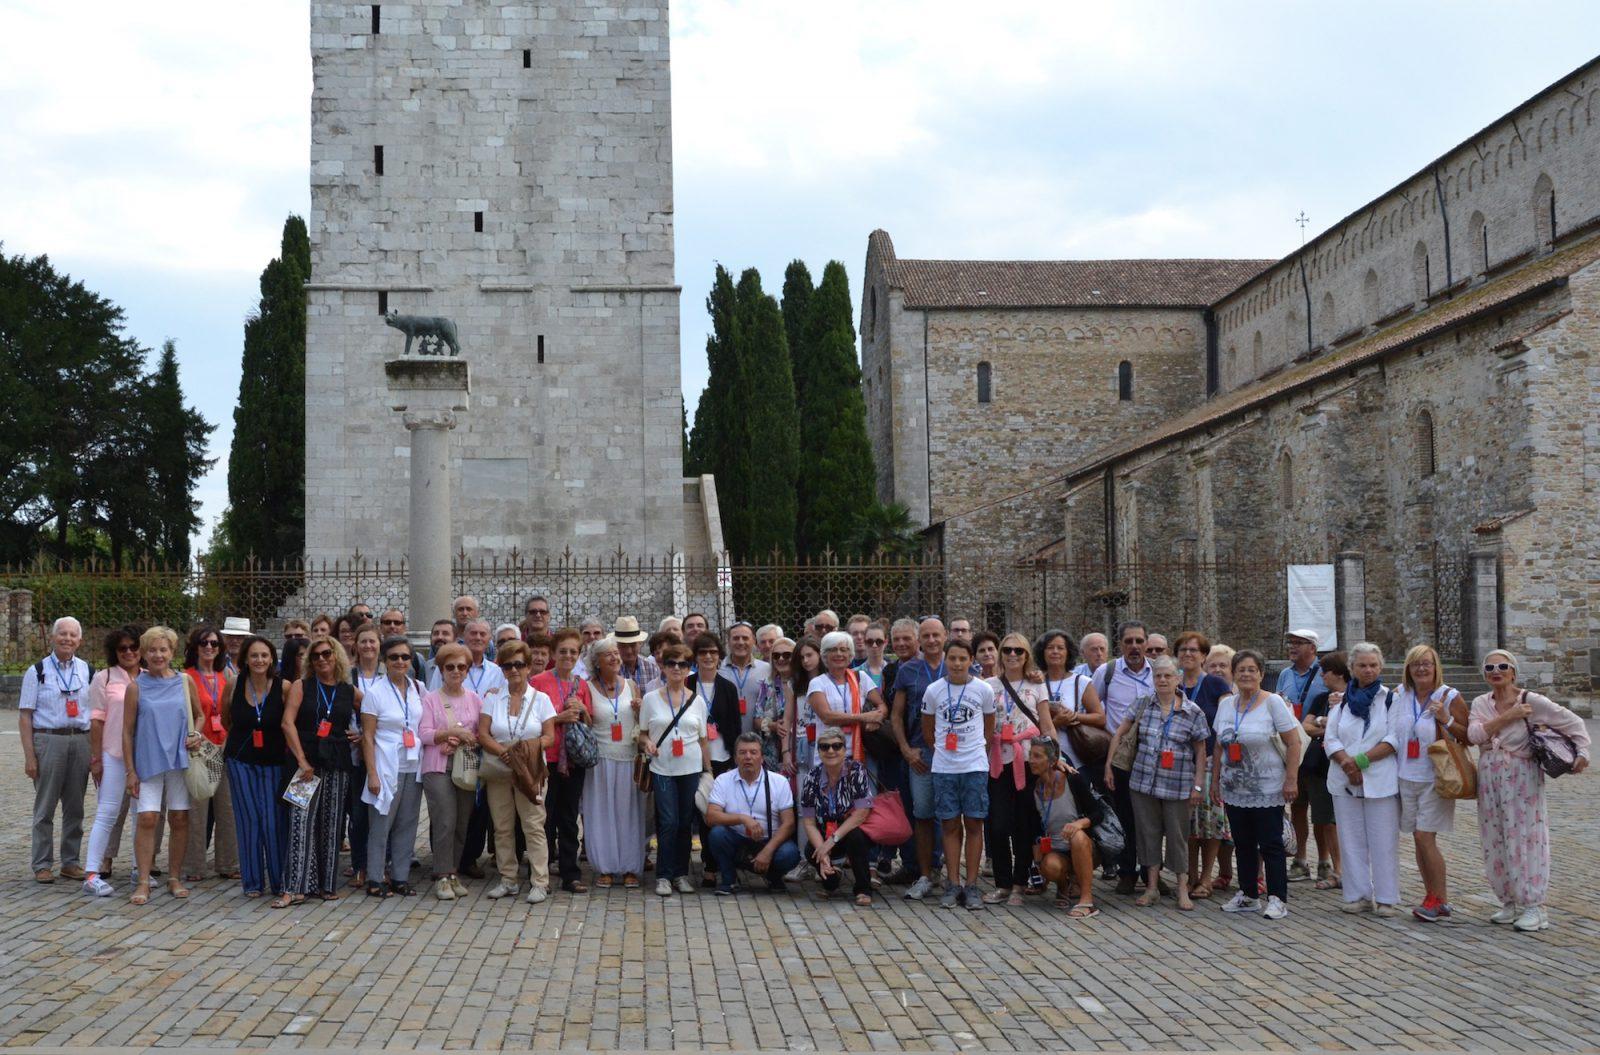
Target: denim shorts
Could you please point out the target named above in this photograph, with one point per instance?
(921, 785)
(961, 795)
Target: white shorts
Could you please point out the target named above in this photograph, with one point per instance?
(168, 785)
(1421, 808)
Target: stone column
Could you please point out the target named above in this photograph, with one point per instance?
(1350, 597)
(1205, 541)
(1485, 602)
(428, 393)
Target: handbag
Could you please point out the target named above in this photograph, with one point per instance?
(1291, 844)
(1454, 774)
(887, 823)
(1554, 751)
(205, 761)
(1128, 747)
(643, 777)
(465, 762)
(1091, 743)
(579, 748)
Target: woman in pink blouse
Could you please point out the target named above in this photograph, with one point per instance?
(105, 756)
(449, 724)
(1512, 823)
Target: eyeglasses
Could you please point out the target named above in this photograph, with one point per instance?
(321, 654)
(1013, 651)
(1133, 641)
(514, 664)
(454, 666)
(392, 622)
(128, 646)
(831, 745)
(537, 611)
(211, 644)
(398, 657)
(783, 655)
(676, 664)
(1490, 668)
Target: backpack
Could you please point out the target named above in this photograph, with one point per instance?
(38, 671)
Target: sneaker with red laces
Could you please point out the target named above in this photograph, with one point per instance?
(1428, 911)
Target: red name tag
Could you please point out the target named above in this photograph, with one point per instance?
(744, 707)
(711, 730)
(1007, 733)
(258, 739)
(1166, 759)
(829, 828)
(409, 739)
(1413, 749)
(1297, 711)
(811, 733)
(324, 727)
(1235, 753)
(1045, 845)
(616, 731)
(72, 708)
(677, 747)
(951, 741)
(215, 723)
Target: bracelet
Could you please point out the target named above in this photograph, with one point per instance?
(1362, 761)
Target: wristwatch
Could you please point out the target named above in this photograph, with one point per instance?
(1198, 790)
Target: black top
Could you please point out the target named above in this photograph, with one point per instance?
(337, 705)
(1315, 762)
(243, 723)
(724, 709)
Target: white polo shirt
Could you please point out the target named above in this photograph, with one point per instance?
(749, 798)
(1122, 687)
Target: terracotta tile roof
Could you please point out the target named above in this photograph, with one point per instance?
(1070, 283)
(1536, 276)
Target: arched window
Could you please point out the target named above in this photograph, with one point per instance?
(985, 383)
(1424, 443)
(1371, 301)
(1125, 381)
(1421, 271)
(1285, 480)
(1478, 232)
(1544, 210)
(1330, 320)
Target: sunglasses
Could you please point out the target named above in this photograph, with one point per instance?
(1489, 668)
(537, 611)
(400, 657)
(877, 641)
(1013, 651)
(211, 644)
(393, 622)
(455, 666)
(514, 664)
(832, 745)
(128, 647)
(676, 664)
(321, 654)
(783, 655)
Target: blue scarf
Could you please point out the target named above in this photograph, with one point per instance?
(1359, 700)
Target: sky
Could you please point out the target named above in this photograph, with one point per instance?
(153, 150)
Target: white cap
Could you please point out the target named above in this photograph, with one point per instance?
(235, 626)
(1310, 636)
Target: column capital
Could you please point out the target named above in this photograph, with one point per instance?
(432, 419)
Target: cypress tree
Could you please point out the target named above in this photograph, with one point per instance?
(836, 474)
(705, 437)
(797, 293)
(771, 420)
(266, 466)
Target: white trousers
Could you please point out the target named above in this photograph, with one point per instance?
(108, 800)
(1369, 845)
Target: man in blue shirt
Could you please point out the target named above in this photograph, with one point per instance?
(911, 680)
(53, 722)
(1298, 684)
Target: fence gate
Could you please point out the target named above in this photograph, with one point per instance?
(1452, 605)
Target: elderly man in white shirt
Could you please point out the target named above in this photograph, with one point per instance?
(53, 723)
(750, 815)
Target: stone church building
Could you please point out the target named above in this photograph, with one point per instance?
(1411, 397)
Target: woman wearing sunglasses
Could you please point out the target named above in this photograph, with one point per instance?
(449, 724)
(256, 755)
(672, 735)
(772, 705)
(106, 762)
(833, 805)
(391, 746)
(1022, 712)
(511, 717)
(205, 662)
(1512, 823)
(319, 715)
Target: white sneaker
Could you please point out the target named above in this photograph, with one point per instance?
(1508, 913)
(1241, 902)
(800, 873)
(1386, 911)
(443, 890)
(537, 896)
(1532, 918)
(1275, 909)
(686, 885)
(919, 889)
(458, 886)
(98, 887)
(663, 888)
(1351, 908)
(500, 890)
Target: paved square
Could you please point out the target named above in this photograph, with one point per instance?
(626, 970)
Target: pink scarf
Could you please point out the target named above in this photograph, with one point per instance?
(1019, 763)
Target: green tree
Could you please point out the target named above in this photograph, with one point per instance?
(266, 466)
(707, 434)
(885, 532)
(836, 480)
(177, 434)
(771, 417)
(797, 293)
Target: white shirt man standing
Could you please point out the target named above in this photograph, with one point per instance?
(53, 722)
(1119, 683)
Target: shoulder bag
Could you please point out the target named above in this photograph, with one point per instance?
(1554, 751)
(1128, 746)
(495, 767)
(464, 761)
(1091, 742)
(642, 776)
(886, 823)
(1299, 730)
(205, 761)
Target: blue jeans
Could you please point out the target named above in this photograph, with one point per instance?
(674, 811)
(728, 842)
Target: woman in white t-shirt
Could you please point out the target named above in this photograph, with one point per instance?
(1426, 710)
(613, 807)
(672, 735)
(1021, 712)
(1254, 780)
(521, 713)
(845, 698)
(1073, 702)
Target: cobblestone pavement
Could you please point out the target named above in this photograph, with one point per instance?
(628, 970)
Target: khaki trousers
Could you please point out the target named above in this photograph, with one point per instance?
(224, 837)
(508, 806)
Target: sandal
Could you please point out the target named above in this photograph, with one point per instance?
(630, 882)
(330, 895)
(603, 882)
(176, 888)
(252, 893)
(1063, 903)
(863, 900)
(141, 894)
(1015, 900)
(995, 896)
(284, 900)
(1082, 911)
(377, 890)
(402, 890)
(1201, 892)
(228, 875)
(576, 886)
(1331, 883)
(1148, 898)
(357, 879)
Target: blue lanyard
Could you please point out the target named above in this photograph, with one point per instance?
(404, 701)
(61, 682)
(477, 682)
(1166, 726)
(750, 799)
(843, 692)
(328, 698)
(705, 697)
(739, 679)
(953, 710)
(832, 791)
(1417, 711)
(1238, 714)
(566, 693)
(615, 701)
(1055, 690)
(258, 703)
(1046, 806)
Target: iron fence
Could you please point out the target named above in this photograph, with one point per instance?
(1237, 600)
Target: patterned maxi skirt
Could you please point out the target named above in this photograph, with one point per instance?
(1208, 821)
(313, 863)
(1513, 828)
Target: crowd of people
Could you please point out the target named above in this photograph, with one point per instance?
(909, 753)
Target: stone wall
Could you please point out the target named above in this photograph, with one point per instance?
(549, 127)
(1389, 256)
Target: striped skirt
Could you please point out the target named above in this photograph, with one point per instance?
(313, 864)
